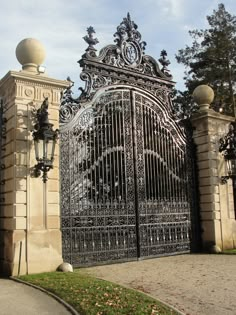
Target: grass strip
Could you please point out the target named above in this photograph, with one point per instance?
(229, 251)
(91, 296)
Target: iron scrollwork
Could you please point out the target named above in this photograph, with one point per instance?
(69, 105)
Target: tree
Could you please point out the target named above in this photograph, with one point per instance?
(212, 60)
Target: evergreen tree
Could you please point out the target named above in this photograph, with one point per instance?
(211, 59)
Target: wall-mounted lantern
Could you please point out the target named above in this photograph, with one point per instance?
(228, 148)
(45, 139)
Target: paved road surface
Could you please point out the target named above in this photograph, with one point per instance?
(194, 284)
(17, 298)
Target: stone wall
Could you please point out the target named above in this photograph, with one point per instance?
(30, 237)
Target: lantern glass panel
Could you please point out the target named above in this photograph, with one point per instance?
(36, 148)
(53, 149)
(45, 149)
(39, 149)
(40, 145)
(231, 164)
(50, 148)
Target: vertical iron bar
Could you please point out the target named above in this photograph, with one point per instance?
(167, 149)
(90, 164)
(145, 150)
(182, 176)
(107, 150)
(98, 158)
(120, 130)
(81, 144)
(156, 161)
(110, 148)
(70, 147)
(146, 153)
(171, 168)
(95, 164)
(86, 166)
(178, 175)
(159, 161)
(121, 151)
(103, 164)
(117, 151)
(134, 133)
(154, 157)
(176, 172)
(113, 153)
(163, 164)
(151, 154)
(124, 161)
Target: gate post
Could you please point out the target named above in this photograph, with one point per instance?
(30, 237)
(218, 223)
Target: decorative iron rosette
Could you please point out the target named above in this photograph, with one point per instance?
(67, 112)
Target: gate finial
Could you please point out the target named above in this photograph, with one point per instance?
(164, 62)
(90, 40)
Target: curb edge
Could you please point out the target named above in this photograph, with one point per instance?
(65, 304)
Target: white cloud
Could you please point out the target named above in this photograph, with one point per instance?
(173, 8)
(60, 26)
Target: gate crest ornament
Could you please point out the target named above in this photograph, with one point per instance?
(122, 63)
(128, 39)
(128, 53)
(128, 56)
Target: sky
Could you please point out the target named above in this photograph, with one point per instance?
(60, 26)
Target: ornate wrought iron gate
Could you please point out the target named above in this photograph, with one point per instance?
(126, 166)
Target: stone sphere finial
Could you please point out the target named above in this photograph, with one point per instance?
(203, 95)
(30, 53)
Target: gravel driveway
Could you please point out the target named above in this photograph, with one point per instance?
(194, 284)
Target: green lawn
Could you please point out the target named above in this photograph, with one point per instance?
(92, 296)
(229, 251)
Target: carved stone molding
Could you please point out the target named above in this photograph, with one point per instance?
(29, 92)
(47, 94)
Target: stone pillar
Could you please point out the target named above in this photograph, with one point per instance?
(218, 222)
(30, 237)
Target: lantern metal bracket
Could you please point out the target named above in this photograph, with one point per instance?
(224, 179)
